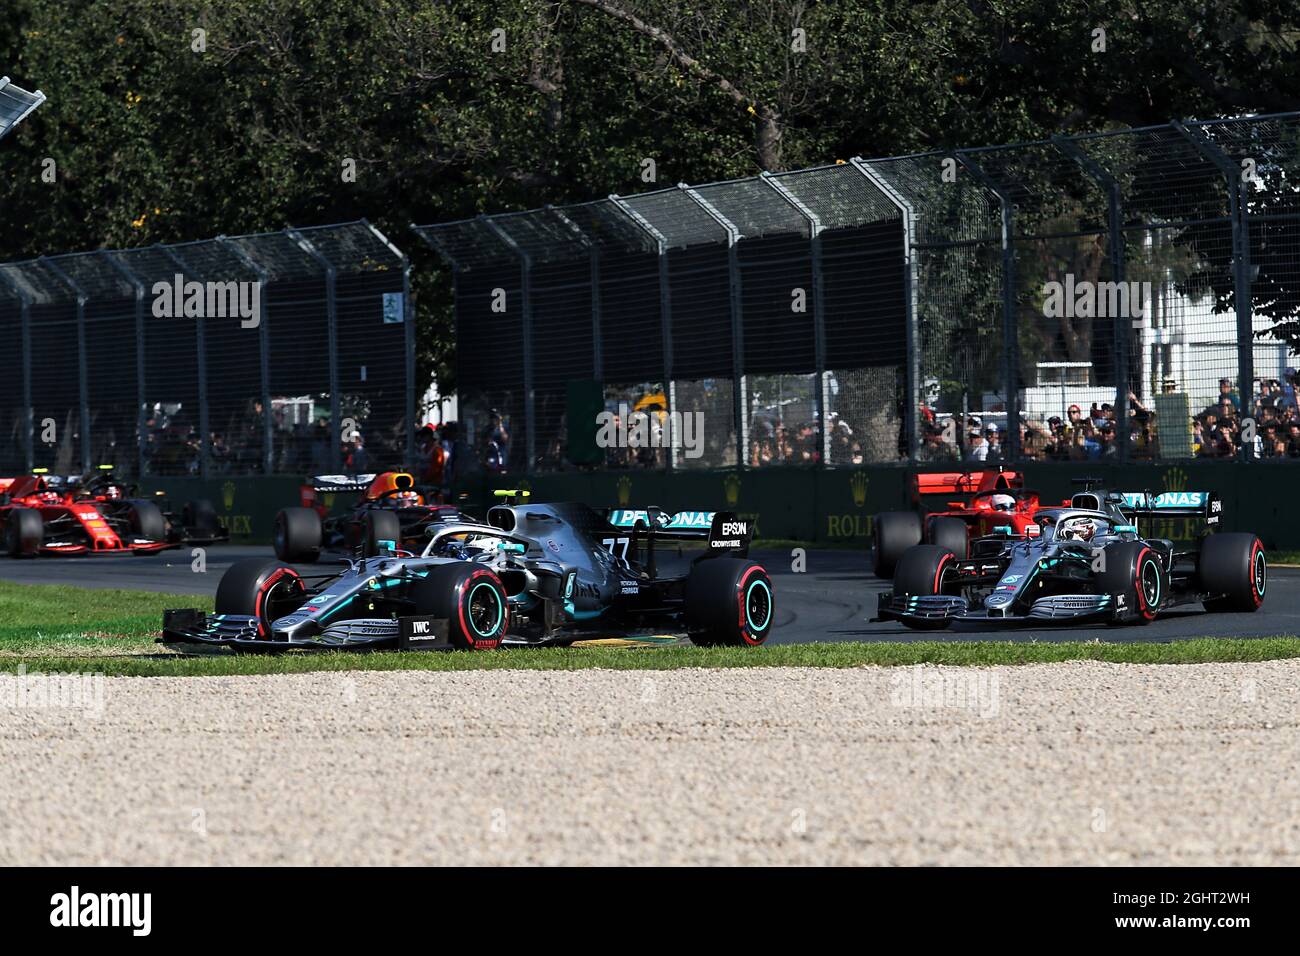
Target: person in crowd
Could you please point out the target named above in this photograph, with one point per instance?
(1227, 391)
(355, 459)
(993, 442)
(496, 443)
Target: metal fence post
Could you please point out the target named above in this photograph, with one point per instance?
(25, 333)
(665, 304)
(142, 438)
(819, 307)
(1115, 248)
(526, 303)
(910, 285)
(1241, 291)
(83, 376)
(263, 350)
(332, 329)
(739, 393)
(201, 357)
(1010, 320)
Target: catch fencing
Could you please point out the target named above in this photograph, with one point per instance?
(279, 353)
(1130, 295)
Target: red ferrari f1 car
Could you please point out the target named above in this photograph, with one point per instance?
(95, 514)
(987, 500)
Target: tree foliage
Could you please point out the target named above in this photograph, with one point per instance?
(155, 141)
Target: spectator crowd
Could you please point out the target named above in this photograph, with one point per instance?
(1265, 428)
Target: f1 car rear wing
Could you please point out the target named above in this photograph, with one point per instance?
(1195, 504)
(330, 484)
(724, 530)
(965, 482)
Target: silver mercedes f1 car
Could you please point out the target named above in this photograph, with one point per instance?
(1084, 563)
(530, 574)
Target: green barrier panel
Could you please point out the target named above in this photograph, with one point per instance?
(247, 506)
(830, 506)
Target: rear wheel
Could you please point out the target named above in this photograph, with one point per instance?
(379, 526)
(259, 587)
(470, 598)
(24, 532)
(1132, 572)
(924, 570)
(893, 532)
(297, 535)
(200, 518)
(729, 601)
(1233, 565)
(950, 533)
(147, 520)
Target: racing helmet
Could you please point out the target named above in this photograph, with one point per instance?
(1077, 529)
(402, 494)
(1003, 503)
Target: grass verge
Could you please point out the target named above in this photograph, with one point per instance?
(51, 628)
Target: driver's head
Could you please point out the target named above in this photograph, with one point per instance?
(1003, 503)
(1079, 529)
(406, 499)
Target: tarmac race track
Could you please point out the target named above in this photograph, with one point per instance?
(832, 600)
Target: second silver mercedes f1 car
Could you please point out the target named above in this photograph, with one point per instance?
(1086, 563)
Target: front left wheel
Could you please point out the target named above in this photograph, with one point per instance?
(264, 588)
(925, 570)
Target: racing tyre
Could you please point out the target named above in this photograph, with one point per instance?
(261, 587)
(1233, 565)
(24, 532)
(471, 598)
(729, 601)
(924, 570)
(297, 535)
(146, 520)
(1133, 573)
(893, 533)
(377, 526)
(200, 518)
(950, 533)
